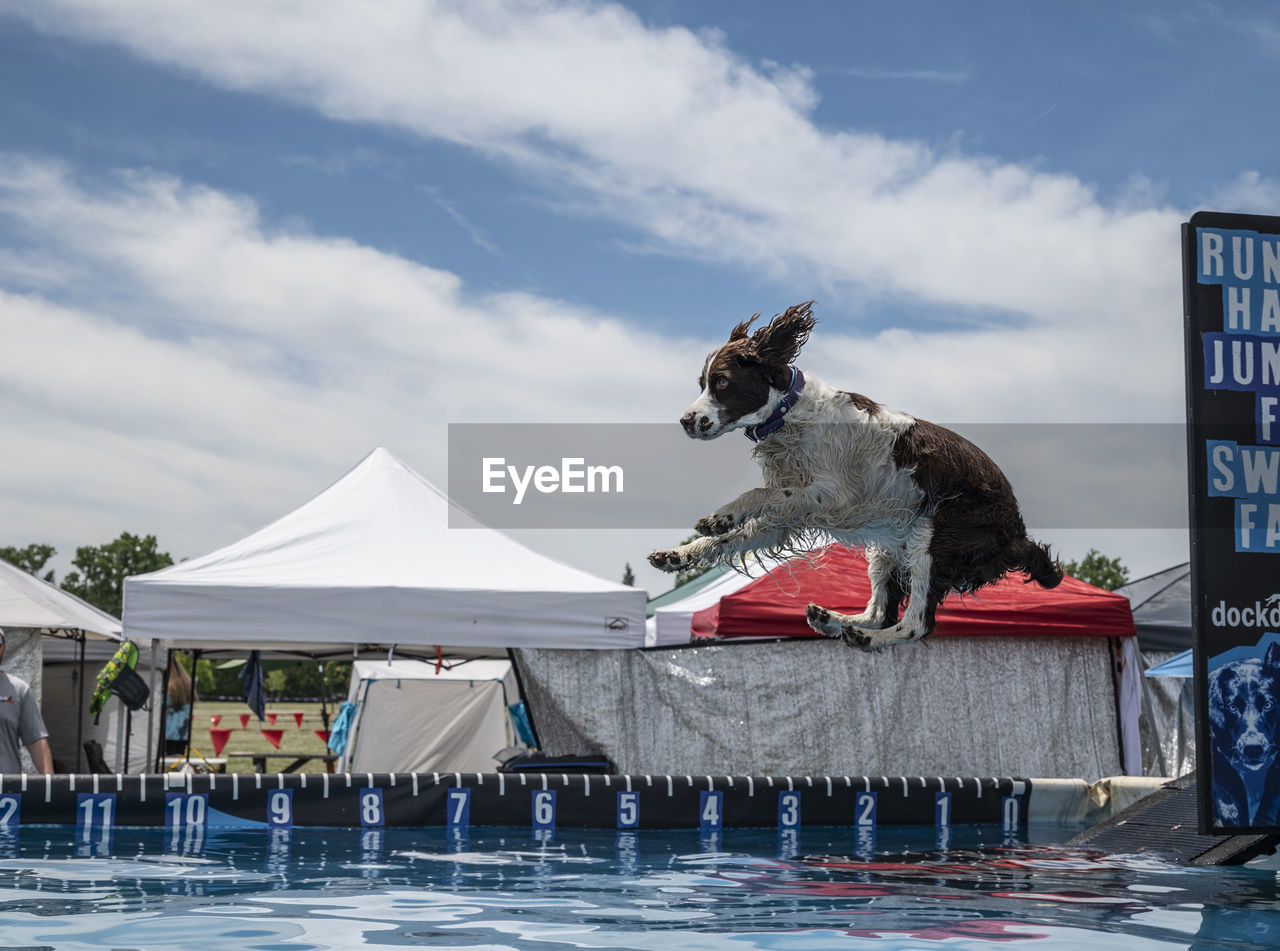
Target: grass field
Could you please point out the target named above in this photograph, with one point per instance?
(294, 739)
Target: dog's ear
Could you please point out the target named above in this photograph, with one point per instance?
(778, 343)
(1272, 657)
(740, 332)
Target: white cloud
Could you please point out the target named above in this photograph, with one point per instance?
(1249, 190)
(671, 132)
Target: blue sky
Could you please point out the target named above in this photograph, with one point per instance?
(241, 244)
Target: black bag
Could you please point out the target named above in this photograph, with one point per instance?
(130, 688)
(539, 762)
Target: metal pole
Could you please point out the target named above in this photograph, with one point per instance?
(80, 707)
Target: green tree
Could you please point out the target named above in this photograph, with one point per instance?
(629, 576)
(31, 559)
(101, 570)
(1098, 570)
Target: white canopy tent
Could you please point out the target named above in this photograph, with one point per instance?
(410, 718)
(28, 602)
(57, 643)
(373, 560)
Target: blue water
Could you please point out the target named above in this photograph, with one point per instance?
(507, 888)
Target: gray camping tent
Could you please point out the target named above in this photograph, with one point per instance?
(1161, 606)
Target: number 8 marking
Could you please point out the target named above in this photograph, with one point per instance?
(371, 807)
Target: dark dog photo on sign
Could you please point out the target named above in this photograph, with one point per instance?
(931, 510)
(1244, 730)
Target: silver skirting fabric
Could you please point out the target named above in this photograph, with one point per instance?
(1168, 721)
(953, 706)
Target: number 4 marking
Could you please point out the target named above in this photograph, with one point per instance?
(710, 811)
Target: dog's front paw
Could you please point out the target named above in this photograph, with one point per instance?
(820, 620)
(717, 524)
(666, 559)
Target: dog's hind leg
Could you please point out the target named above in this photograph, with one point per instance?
(917, 622)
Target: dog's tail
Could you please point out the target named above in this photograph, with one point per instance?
(1036, 560)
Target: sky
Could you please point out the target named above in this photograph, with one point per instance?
(242, 244)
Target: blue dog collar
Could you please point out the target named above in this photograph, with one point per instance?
(778, 417)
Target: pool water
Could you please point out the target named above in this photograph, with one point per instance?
(510, 888)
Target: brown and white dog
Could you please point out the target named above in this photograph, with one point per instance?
(932, 511)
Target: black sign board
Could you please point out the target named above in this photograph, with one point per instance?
(1231, 287)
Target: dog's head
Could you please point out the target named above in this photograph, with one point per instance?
(743, 380)
(1244, 708)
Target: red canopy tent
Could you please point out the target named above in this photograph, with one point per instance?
(774, 606)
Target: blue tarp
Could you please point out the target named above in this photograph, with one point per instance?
(1177, 666)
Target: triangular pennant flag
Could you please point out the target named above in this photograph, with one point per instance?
(216, 719)
(244, 721)
(272, 718)
(324, 735)
(297, 718)
(219, 737)
(273, 736)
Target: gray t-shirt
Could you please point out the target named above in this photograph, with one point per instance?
(20, 720)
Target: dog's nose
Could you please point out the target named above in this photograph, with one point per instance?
(1254, 751)
(687, 421)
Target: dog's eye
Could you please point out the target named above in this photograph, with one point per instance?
(720, 382)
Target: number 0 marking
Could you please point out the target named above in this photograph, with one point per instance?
(1009, 809)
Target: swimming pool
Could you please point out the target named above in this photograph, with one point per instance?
(486, 887)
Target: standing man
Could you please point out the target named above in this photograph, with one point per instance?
(20, 720)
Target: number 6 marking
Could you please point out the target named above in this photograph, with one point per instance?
(544, 809)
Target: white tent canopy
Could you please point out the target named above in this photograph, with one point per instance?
(373, 560)
(26, 601)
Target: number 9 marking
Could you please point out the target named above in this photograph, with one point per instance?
(280, 808)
